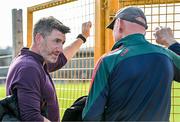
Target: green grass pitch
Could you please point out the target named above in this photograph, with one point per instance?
(68, 92)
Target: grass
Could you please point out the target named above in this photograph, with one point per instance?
(175, 103)
(2, 91)
(68, 92)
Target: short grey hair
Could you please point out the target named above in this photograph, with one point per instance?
(47, 24)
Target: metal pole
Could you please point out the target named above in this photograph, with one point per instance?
(17, 31)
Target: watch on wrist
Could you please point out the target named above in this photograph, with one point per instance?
(81, 37)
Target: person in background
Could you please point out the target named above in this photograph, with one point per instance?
(133, 81)
(29, 72)
(164, 36)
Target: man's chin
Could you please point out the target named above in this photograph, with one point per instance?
(52, 61)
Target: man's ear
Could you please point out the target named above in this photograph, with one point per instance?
(118, 22)
(38, 38)
(120, 25)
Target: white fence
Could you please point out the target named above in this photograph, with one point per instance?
(5, 60)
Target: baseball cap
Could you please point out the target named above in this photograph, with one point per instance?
(132, 14)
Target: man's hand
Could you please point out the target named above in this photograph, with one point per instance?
(71, 50)
(164, 36)
(86, 29)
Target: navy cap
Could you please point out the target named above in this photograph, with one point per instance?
(131, 14)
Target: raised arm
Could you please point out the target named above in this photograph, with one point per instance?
(71, 50)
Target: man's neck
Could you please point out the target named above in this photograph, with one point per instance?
(34, 49)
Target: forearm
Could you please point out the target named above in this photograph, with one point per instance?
(71, 50)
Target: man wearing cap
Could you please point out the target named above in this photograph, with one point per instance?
(133, 81)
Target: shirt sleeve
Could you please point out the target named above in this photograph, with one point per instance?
(98, 93)
(175, 48)
(27, 85)
(62, 60)
(176, 62)
(177, 74)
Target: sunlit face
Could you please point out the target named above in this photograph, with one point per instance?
(52, 46)
(117, 31)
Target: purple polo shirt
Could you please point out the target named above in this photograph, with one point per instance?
(30, 77)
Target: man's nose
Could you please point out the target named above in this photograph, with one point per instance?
(59, 48)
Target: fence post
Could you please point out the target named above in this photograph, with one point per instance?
(99, 31)
(17, 31)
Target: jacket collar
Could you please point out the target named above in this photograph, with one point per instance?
(133, 39)
(37, 57)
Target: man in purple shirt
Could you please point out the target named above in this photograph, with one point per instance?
(29, 72)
